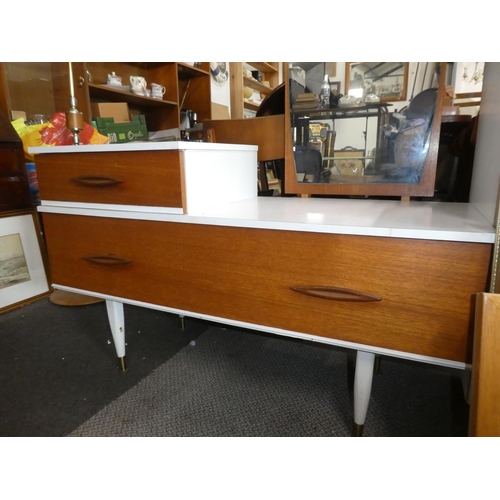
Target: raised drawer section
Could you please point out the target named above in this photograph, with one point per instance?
(426, 287)
(145, 178)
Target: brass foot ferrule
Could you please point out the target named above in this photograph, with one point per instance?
(357, 430)
(121, 364)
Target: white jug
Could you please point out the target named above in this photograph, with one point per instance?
(138, 85)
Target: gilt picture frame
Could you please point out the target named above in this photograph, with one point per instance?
(23, 273)
(387, 80)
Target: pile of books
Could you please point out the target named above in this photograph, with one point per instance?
(306, 101)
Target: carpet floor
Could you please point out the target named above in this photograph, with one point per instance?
(59, 377)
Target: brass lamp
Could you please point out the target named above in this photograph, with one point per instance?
(74, 118)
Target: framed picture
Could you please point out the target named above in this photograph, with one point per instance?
(23, 276)
(335, 87)
(387, 80)
(331, 69)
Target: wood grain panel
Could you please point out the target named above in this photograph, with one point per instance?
(267, 132)
(484, 419)
(151, 178)
(244, 274)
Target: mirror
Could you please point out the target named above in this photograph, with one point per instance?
(375, 134)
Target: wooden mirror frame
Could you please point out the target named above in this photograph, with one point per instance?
(424, 188)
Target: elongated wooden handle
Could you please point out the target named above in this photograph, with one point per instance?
(107, 260)
(335, 293)
(96, 180)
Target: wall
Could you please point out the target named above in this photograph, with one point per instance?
(486, 171)
(221, 90)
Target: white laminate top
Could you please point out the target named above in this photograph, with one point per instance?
(365, 217)
(142, 146)
(396, 219)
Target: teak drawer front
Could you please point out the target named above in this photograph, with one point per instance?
(144, 178)
(244, 274)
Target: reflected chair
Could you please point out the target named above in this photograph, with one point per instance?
(308, 161)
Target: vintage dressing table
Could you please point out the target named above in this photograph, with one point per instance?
(178, 227)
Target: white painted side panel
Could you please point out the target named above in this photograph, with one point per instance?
(219, 178)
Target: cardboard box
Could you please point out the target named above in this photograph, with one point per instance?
(134, 130)
(117, 110)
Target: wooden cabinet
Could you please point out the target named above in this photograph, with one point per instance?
(14, 184)
(40, 88)
(43, 88)
(270, 73)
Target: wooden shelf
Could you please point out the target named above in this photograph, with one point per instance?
(263, 67)
(254, 84)
(115, 95)
(187, 72)
(252, 106)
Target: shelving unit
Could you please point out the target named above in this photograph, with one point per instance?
(270, 72)
(186, 87)
(44, 88)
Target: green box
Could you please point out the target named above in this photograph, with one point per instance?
(134, 130)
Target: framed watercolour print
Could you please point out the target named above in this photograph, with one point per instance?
(23, 275)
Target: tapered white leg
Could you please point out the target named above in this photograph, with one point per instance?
(116, 319)
(363, 377)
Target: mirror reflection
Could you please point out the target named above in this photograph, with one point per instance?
(361, 123)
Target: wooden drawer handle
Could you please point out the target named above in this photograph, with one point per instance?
(336, 293)
(107, 260)
(96, 181)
